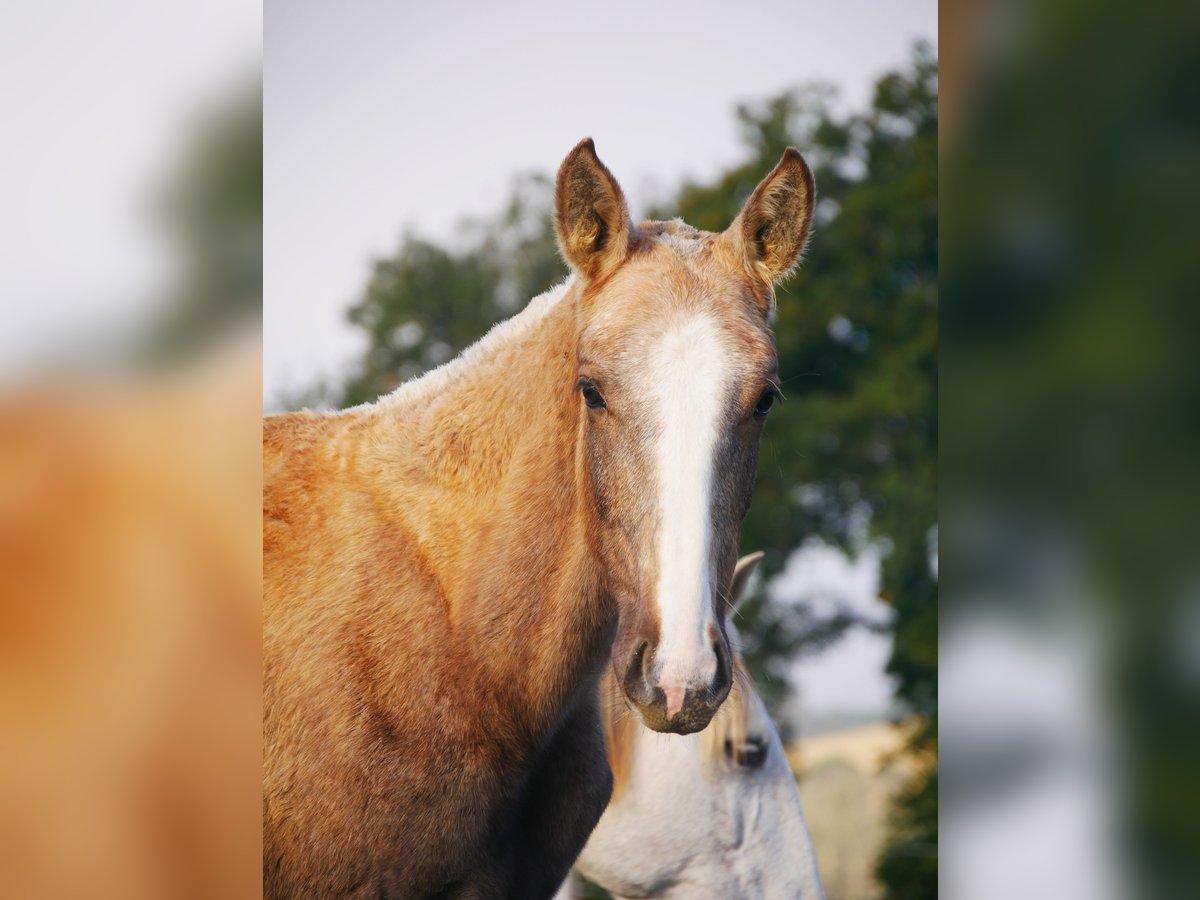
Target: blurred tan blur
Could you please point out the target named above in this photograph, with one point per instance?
(848, 779)
(130, 386)
(130, 636)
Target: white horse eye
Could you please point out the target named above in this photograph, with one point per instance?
(750, 754)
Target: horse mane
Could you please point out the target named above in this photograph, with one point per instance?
(679, 236)
(503, 332)
(728, 726)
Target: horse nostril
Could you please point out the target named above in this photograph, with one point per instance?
(723, 676)
(636, 680)
(640, 659)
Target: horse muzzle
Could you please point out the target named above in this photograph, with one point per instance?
(672, 704)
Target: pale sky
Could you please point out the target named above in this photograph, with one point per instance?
(98, 103)
(849, 676)
(382, 115)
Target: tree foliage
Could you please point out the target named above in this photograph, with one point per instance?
(212, 208)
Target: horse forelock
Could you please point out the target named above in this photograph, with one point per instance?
(679, 236)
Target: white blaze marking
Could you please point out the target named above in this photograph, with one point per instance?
(689, 374)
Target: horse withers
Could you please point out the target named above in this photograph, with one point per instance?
(448, 570)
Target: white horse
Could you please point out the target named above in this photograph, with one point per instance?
(709, 815)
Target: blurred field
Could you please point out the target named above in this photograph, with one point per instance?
(847, 780)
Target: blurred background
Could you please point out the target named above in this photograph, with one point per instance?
(1070, 617)
(130, 404)
(409, 164)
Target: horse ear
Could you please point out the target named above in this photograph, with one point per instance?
(773, 226)
(590, 214)
(741, 577)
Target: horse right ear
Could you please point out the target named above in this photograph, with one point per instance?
(772, 229)
(742, 573)
(590, 214)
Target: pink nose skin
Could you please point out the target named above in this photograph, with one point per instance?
(674, 697)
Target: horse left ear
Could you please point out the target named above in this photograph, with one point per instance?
(773, 226)
(590, 214)
(742, 573)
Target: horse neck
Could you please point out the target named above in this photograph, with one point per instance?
(490, 488)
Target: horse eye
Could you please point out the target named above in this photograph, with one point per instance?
(752, 754)
(765, 402)
(591, 396)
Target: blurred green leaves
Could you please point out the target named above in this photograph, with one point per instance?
(213, 208)
(426, 303)
(1071, 375)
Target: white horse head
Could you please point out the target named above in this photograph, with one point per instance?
(715, 814)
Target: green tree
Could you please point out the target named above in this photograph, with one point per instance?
(212, 208)
(426, 303)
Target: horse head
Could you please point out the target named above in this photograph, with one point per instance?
(676, 374)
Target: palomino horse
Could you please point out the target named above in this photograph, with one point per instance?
(448, 570)
(711, 815)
